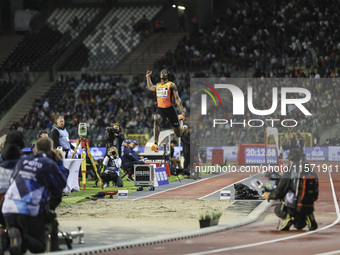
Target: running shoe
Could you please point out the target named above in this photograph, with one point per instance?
(286, 223)
(154, 147)
(180, 117)
(311, 223)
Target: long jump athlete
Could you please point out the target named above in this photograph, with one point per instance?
(165, 92)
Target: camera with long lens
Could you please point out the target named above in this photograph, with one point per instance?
(82, 130)
(111, 133)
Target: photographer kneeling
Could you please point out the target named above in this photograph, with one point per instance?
(298, 190)
(114, 136)
(112, 163)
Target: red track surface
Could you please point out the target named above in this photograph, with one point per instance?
(253, 239)
(201, 188)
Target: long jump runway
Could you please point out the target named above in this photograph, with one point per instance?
(260, 237)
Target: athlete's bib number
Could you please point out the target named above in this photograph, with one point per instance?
(162, 92)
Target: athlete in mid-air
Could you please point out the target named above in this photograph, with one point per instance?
(165, 92)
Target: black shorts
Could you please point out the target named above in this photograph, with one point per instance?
(169, 113)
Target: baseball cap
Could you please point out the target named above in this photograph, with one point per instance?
(134, 141)
(127, 141)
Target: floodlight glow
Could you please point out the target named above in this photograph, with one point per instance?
(181, 7)
(173, 6)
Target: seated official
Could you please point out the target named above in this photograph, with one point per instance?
(129, 159)
(112, 163)
(132, 145)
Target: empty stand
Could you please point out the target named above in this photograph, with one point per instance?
(113, 38)
(71, 20)
(31, 48)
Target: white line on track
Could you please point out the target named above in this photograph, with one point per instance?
(226, 187)
(179, 186)
(284, 238)
(330, 253)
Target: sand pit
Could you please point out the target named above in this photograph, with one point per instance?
(147, 216)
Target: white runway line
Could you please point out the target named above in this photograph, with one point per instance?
(284, 238)
(226, 187)
(330, 253)
(178, 187)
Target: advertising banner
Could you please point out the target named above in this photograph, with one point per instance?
(334, 153)
(316, 153)
(161, 178)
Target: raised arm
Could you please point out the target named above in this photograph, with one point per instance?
(149, 82)
(173, 87)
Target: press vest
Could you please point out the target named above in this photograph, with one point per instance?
(64, 138)
(164, 95)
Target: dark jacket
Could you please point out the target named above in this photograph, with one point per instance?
(282, 187)
(116, 141)
(185, 138)
(129, 156)
(34, 177)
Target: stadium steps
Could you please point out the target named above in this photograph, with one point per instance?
(27, 101)
(147, 52)
(7, 44)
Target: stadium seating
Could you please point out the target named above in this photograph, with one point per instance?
(31, 48)
(71, 20)
(7, 99)
(34, 48)
(113, 38)
(230, 43)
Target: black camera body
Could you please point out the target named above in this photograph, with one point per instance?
(113, 152)
(111, 133)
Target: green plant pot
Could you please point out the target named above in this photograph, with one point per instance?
(208, 223)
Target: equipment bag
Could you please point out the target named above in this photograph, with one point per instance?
(280, 210)
(307, 191)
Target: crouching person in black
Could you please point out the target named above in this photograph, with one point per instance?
(112, 163)
(297, 189)
(28, 197)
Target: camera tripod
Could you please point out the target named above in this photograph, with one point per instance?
(85, 151)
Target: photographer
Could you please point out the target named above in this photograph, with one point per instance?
(9, 157)
(290, 142)
(27, 201)
(294, 209)
(114, 136)
(112, 163)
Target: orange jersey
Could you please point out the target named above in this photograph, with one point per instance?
(164, 95)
